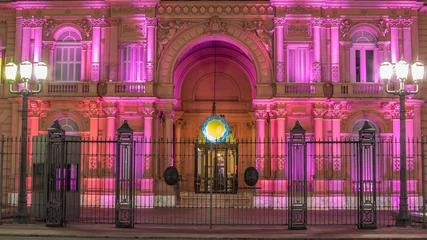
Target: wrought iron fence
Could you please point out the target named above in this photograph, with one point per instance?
(300, 182)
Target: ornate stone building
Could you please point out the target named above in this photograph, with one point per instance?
(161, 64)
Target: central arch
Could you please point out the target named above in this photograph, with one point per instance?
(197, 34)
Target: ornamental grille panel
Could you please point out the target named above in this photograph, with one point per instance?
(334, 182)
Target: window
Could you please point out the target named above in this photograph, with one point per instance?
(362, 57)
(69, 125)
(68, 56)
(132, 68)
(297, 63)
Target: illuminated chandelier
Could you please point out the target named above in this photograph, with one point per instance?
(215, 128)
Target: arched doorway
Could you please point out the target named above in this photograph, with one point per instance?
(215, 71)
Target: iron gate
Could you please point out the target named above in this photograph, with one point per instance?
(350, 181)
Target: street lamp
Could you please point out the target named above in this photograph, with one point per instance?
(402, 70)
(40, 72)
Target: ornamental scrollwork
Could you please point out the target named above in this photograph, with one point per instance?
(215, 25)
(167, 31)
(264, 33)
(345, 26)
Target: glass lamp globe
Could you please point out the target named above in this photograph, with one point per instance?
(386, 71)
(40, 70)
(26, 69)
(11, 70)
(402, 69)
(417, 71)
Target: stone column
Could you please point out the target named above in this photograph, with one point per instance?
(114, 47)
(18, 36)
(148, 139)
(407, 39)
(96, 48)
(51, 62)
(38, 38)
(280, 53)
(83, 62)
(169, 119)
(318, 113)
(26, 38)
(345, 60)
(111, 113)
(93, 113)
(410, 113)
(280, 114)
(335, 50)
(274, 142)
(394, 39)
(179, 164)
(260, 138)
(317, 69)
(151, 41)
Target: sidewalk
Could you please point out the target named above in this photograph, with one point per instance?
(217, 232)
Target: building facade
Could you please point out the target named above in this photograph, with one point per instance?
(160, 65)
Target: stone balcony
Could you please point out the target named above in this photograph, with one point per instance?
(335, 90)
(88, 89)
(146, 89)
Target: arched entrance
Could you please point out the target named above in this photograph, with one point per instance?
(214, 70)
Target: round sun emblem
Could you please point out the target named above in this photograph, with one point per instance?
(215, 129)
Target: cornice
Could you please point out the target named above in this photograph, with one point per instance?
(413, 4)
(59, 4)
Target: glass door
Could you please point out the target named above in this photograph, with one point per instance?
(216, 168)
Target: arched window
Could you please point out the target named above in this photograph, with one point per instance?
(363, 54)
(69, 125)
(68, 56)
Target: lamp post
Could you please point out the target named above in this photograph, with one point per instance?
(40, 70)
(402, 70)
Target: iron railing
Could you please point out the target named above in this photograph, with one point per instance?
(339, 180)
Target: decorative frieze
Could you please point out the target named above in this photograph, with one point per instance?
(299, 10)
(200, 9)
(279, 22)
(119, 10)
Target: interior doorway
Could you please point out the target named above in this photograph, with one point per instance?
(216, 168)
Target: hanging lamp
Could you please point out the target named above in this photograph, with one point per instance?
(215, 128)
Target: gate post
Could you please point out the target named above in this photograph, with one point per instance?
(124, 177)
(55, 207)
(367, 194)
(297, 181)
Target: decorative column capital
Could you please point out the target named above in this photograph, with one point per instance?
(180, 123)
(280, 112)
(92, 111)
(317, 22)
(279, 22)
(110, 111)
(148, 112)
(151, 22)
(335, 22)
(319, 112)
(260, 114)
(169, 114)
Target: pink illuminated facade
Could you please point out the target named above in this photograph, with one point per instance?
(152, 63)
